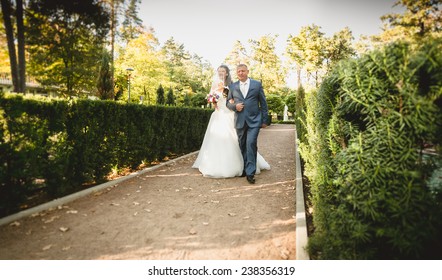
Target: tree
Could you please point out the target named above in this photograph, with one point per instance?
(160, 95)
(421, 18)
(238, 55)
(307, 51)
(143, 56)
(18, 66)
(275, 104)
(186, 100)
(199, 100)
(265, 64)
(104, 83)
(339, 47)
(290, 101)
(114, 7)
(170, 100)
(65, 40)
(175, 58)
(132, 24)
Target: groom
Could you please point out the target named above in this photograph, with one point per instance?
(246, 98)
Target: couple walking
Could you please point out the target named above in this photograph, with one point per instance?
(229, 147)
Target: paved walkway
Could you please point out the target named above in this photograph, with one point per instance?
(172, 213)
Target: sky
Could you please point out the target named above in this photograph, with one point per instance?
(209, 28)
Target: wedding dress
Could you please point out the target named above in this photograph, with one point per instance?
(220, 155)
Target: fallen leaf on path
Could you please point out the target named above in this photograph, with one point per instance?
(214, 201)
(192, 231)
(50, 220)
(148, 210)
(115, 204)
(66, 248)
(285, 254)
(136, 203)
(45, 248)
(285, 208)
(14, 224)
(205, 224)
(246, 217)
(64, 229)
(136, 213)
(232, 214)
(72, 212)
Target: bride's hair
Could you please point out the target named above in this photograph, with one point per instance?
(228, 79)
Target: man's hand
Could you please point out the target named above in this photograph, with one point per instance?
(239, 107)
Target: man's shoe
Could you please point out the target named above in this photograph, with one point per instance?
(251, 179)
(243, 173)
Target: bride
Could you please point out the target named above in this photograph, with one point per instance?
(220, 155)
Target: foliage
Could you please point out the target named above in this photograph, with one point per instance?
(290, 101)
(300, 111)
(314, 54)
(422, 18)
(170, 100)
(266, 65)
(104, 81)
(275, 104)
(65, 41)
(54, 146)
(198, 100)
(238, 55)
(364, 134)
(160, 95)
(132, 24)
(13, 25)
(186, 72)
(142, 55)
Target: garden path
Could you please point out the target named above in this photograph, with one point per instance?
(172, 213)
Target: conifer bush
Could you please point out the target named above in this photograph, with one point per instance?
(366, 130)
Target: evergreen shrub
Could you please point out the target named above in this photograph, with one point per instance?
(365, 134)
(55, 146)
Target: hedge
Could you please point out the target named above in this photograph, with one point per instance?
(364, 135)
(55, 146)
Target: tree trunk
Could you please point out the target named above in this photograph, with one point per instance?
(298, 72)
(113, 28)
(7, 12)
(21, 48)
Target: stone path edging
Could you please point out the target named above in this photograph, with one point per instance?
(301, 221)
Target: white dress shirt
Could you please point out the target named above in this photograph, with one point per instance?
(244, 87)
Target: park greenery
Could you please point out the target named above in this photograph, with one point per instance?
(367, 113)
(370, 137)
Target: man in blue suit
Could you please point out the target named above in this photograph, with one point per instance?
(247, 99)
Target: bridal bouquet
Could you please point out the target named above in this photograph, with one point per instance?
(212, 97)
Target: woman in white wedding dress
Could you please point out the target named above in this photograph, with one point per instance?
(220, 155)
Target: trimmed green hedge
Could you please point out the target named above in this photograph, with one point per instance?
(363, 140)
(55, 146)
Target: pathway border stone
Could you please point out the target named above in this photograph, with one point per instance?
(301, 221)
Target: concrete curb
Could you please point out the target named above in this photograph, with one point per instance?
(301, 221)
(66, 199)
